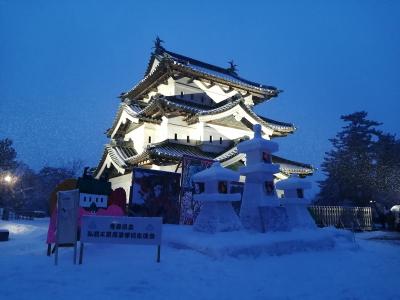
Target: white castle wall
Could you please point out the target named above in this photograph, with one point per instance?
(123, 181)
(137, 136)
(182, 130)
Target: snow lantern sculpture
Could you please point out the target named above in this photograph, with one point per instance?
(211, 187)
(260, 209)
(295, 203)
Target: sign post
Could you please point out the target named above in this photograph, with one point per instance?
(121, 230)
(67, 220)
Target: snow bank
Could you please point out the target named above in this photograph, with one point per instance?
(252, 244)
(130, 272)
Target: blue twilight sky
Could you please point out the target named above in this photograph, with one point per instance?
(63, 64)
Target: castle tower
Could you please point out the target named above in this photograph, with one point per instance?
(184, 106)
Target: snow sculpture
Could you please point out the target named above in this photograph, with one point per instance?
(260, 209)
(212, 189)
(295, 203)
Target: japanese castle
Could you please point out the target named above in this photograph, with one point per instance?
(184, 106)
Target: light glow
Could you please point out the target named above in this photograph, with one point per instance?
(7, 178)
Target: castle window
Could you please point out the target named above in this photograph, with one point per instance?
(220, 140)
(187, 139)
(149, 139)
(182, 94)
(176, 136)
(210, 138)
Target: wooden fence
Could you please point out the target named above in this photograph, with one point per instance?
(354, 218)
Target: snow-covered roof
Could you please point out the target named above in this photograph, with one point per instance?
(257, 143)
(395, 208)
(212, 70)
(169, 151)
(170, 102)
(169, 61)
(195, 111)
(214, 173)
(118, 153)
(293, 183)
(286, 166)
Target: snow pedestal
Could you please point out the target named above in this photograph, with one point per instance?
(260, 210)
(274, 218)
(295, 203)
(212, 189)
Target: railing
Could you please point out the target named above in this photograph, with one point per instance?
(354, 218)
(11, 215)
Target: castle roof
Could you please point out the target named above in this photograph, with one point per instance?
(171, 106)
(171, 64)
(170, 152)
(285, 165)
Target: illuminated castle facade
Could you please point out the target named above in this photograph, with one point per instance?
(184, 106)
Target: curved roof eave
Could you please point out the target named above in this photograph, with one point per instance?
(151, 75)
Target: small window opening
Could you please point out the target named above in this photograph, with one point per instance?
(176, 136)
(198, 187)
(149, 139)
(223, 187)
(187, 139)
(210, 138)
(269, 187)
(266, 157)
(300, 193)
(182, 94)
(220, 140)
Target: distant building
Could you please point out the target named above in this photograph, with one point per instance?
(184, 106)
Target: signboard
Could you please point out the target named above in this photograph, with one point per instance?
(155, 194)
(121, 230)
(67, 220)
(67, 216)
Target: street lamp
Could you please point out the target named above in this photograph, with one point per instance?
(8, 179)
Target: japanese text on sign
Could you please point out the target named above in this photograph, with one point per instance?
(124, 230)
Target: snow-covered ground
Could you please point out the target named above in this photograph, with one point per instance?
(130, 272)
